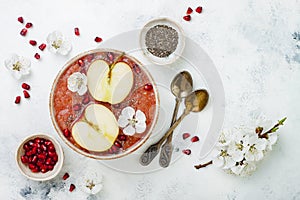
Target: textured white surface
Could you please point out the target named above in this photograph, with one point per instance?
(251, 44)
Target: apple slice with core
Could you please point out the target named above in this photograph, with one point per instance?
(109, 83)
(99, 130)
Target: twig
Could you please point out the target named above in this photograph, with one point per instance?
(203, 165)
(273, 129)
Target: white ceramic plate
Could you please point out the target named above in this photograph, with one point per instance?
(206, 124)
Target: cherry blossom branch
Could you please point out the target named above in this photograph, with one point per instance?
(273, 129)
(203, 165)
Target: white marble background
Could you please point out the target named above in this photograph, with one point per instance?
(254, 46)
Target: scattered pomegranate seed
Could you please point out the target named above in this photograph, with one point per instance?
(186, 151)
(42, 46)
(72, 187)
(195, 139)
(32, 42)
(76, 107)
(67, 133)
(25, 86)
(18, 100)
(21, 20)
(28, 25)
(199, 9)
(86, 100)
(136, 68)
(148, 87)
(80, 62)
(122, 137)
(186, 135)
(187, 18)
(115, 149)
(110, 56)
(118, 144)
(26, 94)
(76, 31)
(37, 56)
(189, 11)
(23, 32)
(66, 176)
(98, 39)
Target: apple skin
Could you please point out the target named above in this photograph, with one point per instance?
(99, 129)
(111, 86)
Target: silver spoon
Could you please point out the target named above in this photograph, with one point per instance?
(194, 102)
(181, 87)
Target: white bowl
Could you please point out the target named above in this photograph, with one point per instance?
(39, 176)
(180, 46)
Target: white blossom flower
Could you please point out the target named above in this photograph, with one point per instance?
(18, 66)
(238, 146)
(90, 182)
(272, 139)
(256, 147)
(57, 43)
(243, 168)
(223, 159)
(77, 82)
(132, 122)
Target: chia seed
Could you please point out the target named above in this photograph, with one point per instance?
(161, 40)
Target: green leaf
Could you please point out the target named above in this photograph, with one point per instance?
(280, 122)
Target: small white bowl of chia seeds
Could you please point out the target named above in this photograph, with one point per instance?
(162, 41)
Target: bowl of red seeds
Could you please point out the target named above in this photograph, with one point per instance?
(39, 157)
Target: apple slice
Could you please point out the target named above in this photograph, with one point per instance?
(99, 131)
(109, 85)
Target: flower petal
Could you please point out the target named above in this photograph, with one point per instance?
(229, 162)
(123, 121)
(140, 127)
(82, 90)
(128, 112)
(218, 161)
(140, 116)
(129, 130)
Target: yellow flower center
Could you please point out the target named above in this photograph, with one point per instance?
(17, 66)
(56, 44)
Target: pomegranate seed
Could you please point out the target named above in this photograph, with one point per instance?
(37, 56)
(118, 144)
(34, 150)
(189, 11)
(48, 161)
(195, 139)
(72, 187)
(86, 100)
(186, 151)
(23, 32)
(50, 167)
(42, 156)
(67, 133)
(31, 166)
(80, 63)
(186, 135)
(90, 57)
(28, 25)
(26, 147)
(98, 39)
(110, 56)
(115, 149)
(24, 159)
(51, 148)
(21, 20)
(136, 68)
(26, 94)
(35, 169)
(52, 154)
(76, 107)
(199, 9)
(37, 140)
(122, 137)
(55, 158)
(76, 31)
(42, 46)
(44, 169)
(34, 159)
(48, 143)
(148, 87)
(25, 86)
(66, 176)
(187, 18)
(18, 100)
(32, 42)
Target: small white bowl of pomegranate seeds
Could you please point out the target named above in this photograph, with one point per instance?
(39, 157)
